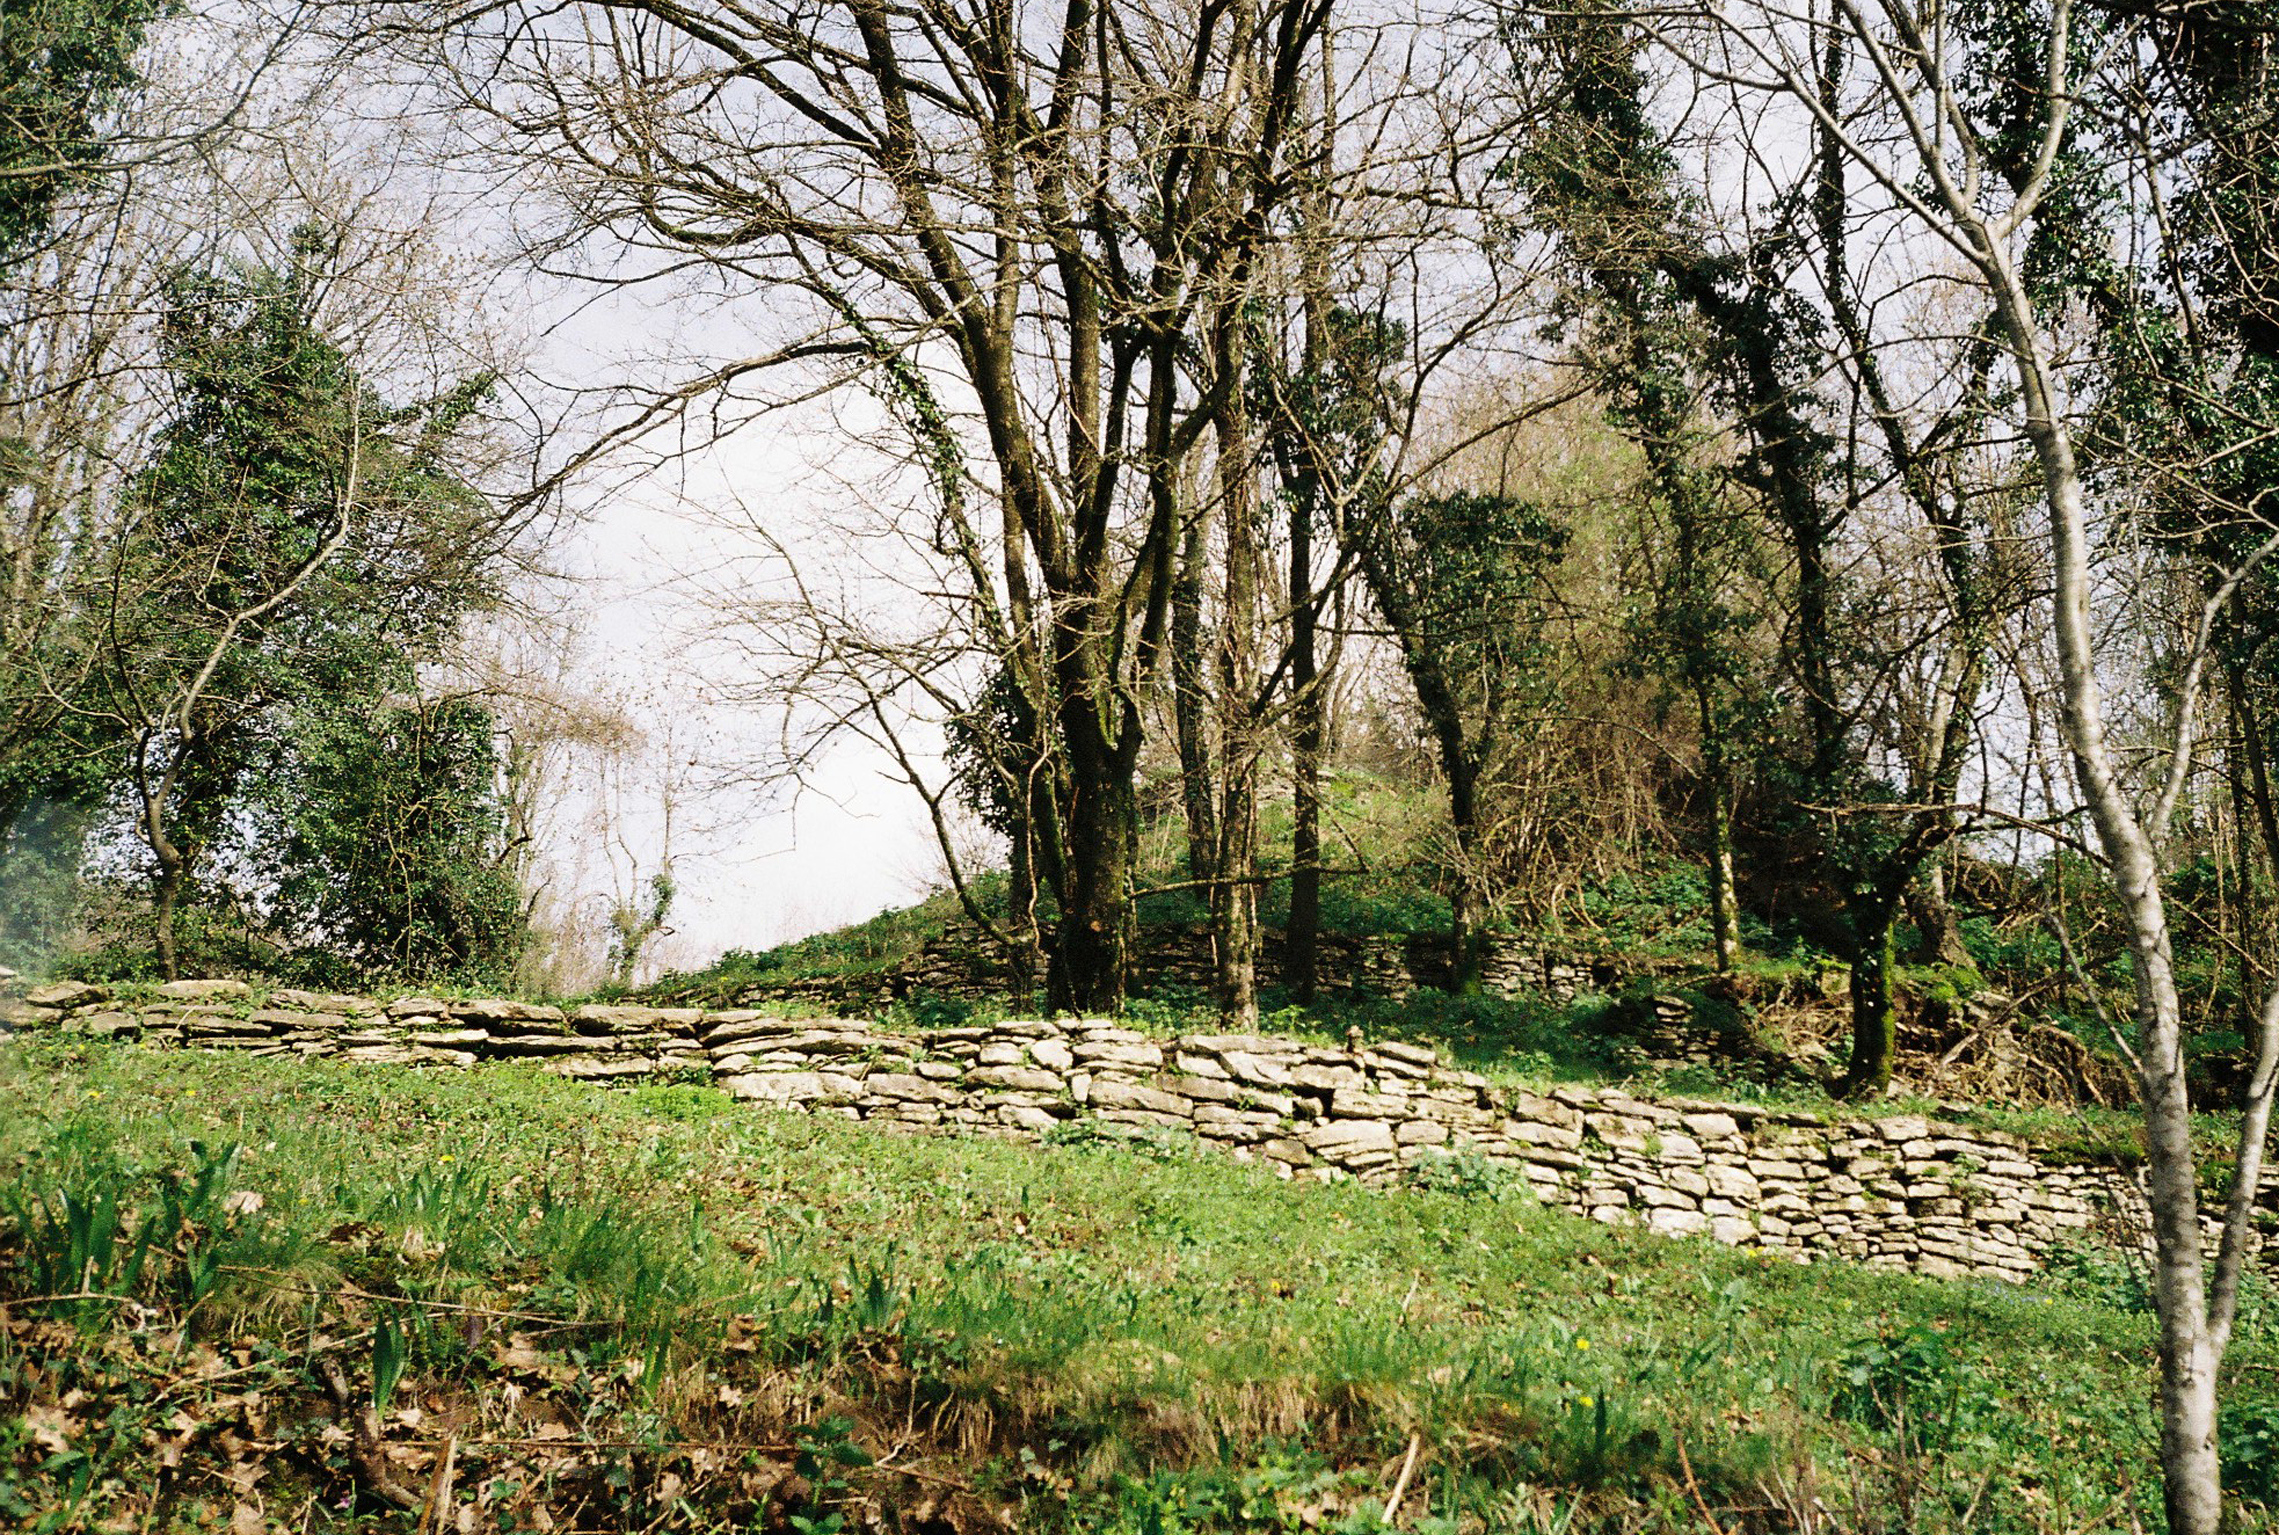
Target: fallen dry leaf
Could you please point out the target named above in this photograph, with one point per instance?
(51, 1429)
(244, 1475)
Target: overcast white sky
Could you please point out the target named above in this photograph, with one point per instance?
(756, 863)
(646, 570)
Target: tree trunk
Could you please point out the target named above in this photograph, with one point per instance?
(2252, 728)
(1234, 903)
(2259, 898)
(165, 902)
(1874, 1027)
(1090, 953)
(1021, 893)
(1236, 929)
(1464, 895)
(1724, 903)
(170, 849)
(1938, 938)
(2192, 1487)
(1301, 955)
(1190, 703)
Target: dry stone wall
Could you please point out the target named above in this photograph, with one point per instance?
(1897, 1192)
(961, 963)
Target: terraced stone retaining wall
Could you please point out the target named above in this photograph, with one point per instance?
(1896, 1192)
(961, 962)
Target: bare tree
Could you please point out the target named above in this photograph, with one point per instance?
(1048, 209)
(1933, 140)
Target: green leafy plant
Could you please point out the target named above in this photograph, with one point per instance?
(1910, 1383)
(1467, 1174)
(391, 1354)
(97, 1231)
(825, 1451)
(2249, 1433)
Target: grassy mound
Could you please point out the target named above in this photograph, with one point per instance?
(250, 1294)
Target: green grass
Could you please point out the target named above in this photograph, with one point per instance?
(861, 949)
(681, 1303)
(1385, 835)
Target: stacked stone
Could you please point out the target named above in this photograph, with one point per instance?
(1680, 1171)
(1666, 1033)
(860, 990)
(963, 963)
(1564, 979)
(965, 966)
(1898, 1192)
(946, 968)
(1901, 1192)
(207, 1014)
(1381, 965)
(596, 1042)
(1510, 969)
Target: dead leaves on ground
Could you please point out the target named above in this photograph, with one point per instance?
(136, 1425)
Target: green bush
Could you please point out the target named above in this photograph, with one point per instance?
(1910, 1383)
(2249, 1435)
(1467, 1174)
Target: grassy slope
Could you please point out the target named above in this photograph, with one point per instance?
(1384, 828)
(651, 1310)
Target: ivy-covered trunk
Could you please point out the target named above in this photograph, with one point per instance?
(1464, 901)
(1091, 959)
(1724, 901)
(1875, 1031)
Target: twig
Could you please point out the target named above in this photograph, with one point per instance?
(2129, 1491)
(44, 1300)
(1999, 1020)
(772, 1446)
(1693, 1489)
(366, 1454)
(439, 1488)
(934, 1477)
(1971, 1511)
(199, 1382)
(354, 1293)
(1401, 1482)
(2055, 922)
